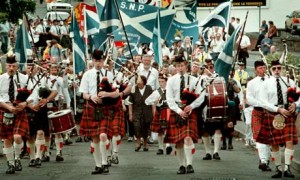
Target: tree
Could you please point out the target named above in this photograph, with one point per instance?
(13, 10)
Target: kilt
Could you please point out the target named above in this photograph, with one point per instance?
(257, 118)
(20, 126)
(117, 121)
(269, 135)
(175, 134)
(155, 127)
(89, 127)
(38, 122)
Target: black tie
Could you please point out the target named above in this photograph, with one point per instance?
(11, 89)
(262, 78)
(182, 84)
(98, 81)
(279, 93)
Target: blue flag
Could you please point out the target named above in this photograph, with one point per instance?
(78, 46)
(190, 11)
(225, 59)
(218, 17)
(23, 48)
(156, 40)
(182, 30)
(92, 22)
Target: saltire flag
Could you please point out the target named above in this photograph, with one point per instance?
(109, 19)
(78, 46)
(190, 11)
(182, 30)
(218, 17)
(225, 59)
(92, 22)
(139, 19)
(156, 40)
(23, 47)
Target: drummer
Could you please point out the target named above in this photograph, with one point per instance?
(38, 115)
(95, 122)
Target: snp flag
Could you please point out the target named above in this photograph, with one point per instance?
(78, 46)
(225, 59)
(218, 17)
(23, 48)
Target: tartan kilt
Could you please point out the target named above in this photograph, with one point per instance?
(175, 134)
(277, 137)
(117, 125)
(89, 127)
(20, 126)
(155, 127)
(256, 122)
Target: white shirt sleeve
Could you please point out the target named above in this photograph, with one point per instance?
(152, 98)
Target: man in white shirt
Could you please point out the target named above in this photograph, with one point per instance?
(182, 129)
(216, 46)
(252, 99)
(149, 72)
(279, 124)
(244, 45)
(14, 123)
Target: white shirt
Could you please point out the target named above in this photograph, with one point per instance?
(152, 79)
(5, 80)
(40, 28)
(165, 51)
(217, 45)
(252, 92)
(245, 41)
(268, 93)
(153, 98)
(89, 81)
(55, 29)
(64, 30)
(173, 92)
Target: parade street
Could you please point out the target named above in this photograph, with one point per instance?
(241, 163)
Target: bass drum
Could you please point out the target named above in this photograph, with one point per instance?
(217, 101)
(61, 121)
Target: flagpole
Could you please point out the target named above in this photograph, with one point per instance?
(120, 17)
(85, 33)
(228, 17)
(74, 73)
(239, 48)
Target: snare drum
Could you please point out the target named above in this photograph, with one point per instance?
(61, 121)
(217, 101)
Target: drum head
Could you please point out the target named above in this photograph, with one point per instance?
(59, 113)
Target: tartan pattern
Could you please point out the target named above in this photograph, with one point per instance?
(176, 134)
(256, 120)
(20, 126)
(117, 125)
(155, 127)
(274, 136)
(89, 127)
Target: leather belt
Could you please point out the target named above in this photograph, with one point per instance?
(258, 108)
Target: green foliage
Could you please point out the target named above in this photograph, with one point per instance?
(13, 10)
(291, 59)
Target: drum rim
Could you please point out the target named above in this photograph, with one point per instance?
(60, 113)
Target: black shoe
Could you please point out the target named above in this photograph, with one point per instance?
(189, 169)
(86, 139)
(181, 170)
(59, 158)
(38, 162)
(145, 149)
(169, 150)
(264, 167)
(18, 165)
(105, 169)
(98, 170)
(278, 174)
(160, 152)
(79, 139)
(137, 148)
(115, 159)
(223, 147)
(45, 158)
(32, 163)
(68, 142)
(207, 157)
(11, 169)
(230, 147)
(288, 173)
(216, 156)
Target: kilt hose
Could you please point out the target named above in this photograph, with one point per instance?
(175, 134)
(20, 126)
(88, 126)
(274, 136)
(256, 121)
(155, 127)
(117, 119)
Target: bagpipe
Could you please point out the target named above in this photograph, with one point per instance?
(107, 87)
(188, 96)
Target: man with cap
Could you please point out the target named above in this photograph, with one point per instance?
(241, 75)
(182, 130)
(95, 121)
(200, 54)
(177, 49)
(278, 126)
(252, 99)
(13, 120)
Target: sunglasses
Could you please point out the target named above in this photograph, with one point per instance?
(274, 68)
